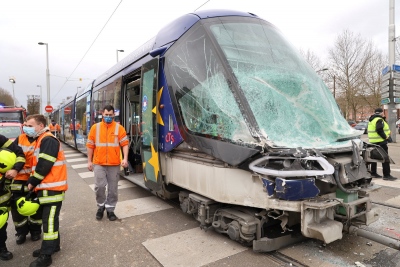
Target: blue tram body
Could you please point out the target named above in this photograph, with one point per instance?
(225, 115)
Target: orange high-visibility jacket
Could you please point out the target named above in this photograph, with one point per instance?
(55, 128)
(106, 139)
(28, 149)
(56, 179)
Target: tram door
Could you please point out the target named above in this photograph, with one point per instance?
(149, 127)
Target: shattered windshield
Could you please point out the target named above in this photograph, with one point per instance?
(291, 104)
(246, 69)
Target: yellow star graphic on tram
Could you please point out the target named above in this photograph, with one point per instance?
(153, 161)
(156, 110)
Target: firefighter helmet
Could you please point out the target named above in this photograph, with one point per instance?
(27, 207)
(3, 216)
(7, 160)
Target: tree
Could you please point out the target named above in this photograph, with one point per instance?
(350, 59)
(33, 104)
(6, 98)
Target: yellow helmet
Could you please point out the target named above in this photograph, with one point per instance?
(27, 207)
(7, 160)
(3, 216)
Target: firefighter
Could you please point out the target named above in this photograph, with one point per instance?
(49, 181)
(9, 163)
(24, 224)
(104, 158)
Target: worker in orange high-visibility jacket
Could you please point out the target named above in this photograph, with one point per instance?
(24, 224)
(49, 181)
(54, 128)
(104, 158)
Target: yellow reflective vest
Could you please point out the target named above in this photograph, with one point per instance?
(373, 136)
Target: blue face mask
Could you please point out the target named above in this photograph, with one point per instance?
(108, 119)
(29, 131)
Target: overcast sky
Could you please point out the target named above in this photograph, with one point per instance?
(70, 27)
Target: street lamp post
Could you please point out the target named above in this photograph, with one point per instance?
(119, 50)
(40, 112)
(12, 81)
(77, 88)
(47, 72)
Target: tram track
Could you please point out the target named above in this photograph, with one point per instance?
(283, 260)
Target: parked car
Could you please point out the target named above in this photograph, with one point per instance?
(362, 126)
(11, 130)
(352, 123)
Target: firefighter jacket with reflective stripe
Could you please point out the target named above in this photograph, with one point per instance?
(28, 149)
(106, 139)
(8, 144)
(56, 178)
(373, 135)
(54, 128)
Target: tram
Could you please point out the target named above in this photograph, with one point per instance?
(225, 115)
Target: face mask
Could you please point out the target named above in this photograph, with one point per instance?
(108, 119)
(29, 131)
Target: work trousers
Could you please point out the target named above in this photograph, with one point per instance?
(51, 236)
(25, 224)
(3, 236)
(385, 165)
(106, 176)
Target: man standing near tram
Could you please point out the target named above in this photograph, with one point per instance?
(49, 181)
(379, 134)
(104, 158)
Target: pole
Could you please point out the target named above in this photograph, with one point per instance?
(13, 94)
(392, 113)
(48, 75)
(117, 55)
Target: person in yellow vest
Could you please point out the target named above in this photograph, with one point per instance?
(379, 134)
(49, 181)
(24, 224)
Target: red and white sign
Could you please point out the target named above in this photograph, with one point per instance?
(48, 108)
(67, 110)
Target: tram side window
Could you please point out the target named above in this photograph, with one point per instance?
(201, 88)
(108, 95)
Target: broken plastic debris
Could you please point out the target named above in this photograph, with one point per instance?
(369, 244)
(359, 264)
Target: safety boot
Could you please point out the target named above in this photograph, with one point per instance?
(20, 239)
(42, 261)
(111, 216)
(100, 213)
(5, 255)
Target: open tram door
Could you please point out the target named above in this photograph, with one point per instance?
(149, 126)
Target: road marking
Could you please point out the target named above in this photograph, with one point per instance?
(86, 174)
(69, 151)
(73, 155)
(79, 166)
(393, 201)
(195, 243)
(76, 160)
(139, 206)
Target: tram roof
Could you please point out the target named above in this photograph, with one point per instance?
(166, 36)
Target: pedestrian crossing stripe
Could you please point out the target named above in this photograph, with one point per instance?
(193, 247)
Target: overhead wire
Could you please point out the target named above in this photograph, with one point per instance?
(202, 5)
(87, 51)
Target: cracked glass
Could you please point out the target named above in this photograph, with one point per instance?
(291, 105)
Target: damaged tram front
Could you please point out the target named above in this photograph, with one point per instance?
(265, 150)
